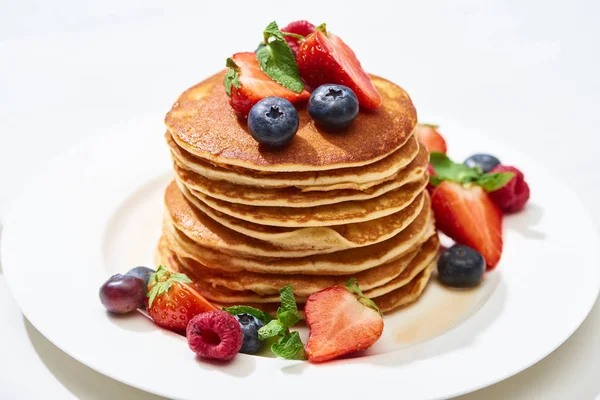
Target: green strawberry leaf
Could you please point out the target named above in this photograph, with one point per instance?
(273, 328)
(299, 37)
(232, 76)
(289, 347)
(491, 182)
(434, 126)
(353, 287)
(322, 28)
(162, 281)
(255, 312)
(277, 60)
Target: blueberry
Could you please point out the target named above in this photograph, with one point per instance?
(121, 294)
(273, 121)
(484, 161)
(461, 266)
(143, 273)
(333, 106)
(250, 326)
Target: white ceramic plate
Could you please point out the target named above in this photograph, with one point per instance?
(97, 208)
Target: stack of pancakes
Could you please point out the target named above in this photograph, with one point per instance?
(243, 220)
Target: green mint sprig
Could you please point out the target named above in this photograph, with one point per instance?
(447, 170)
(232, 76)
(289, 345)
(277, 60)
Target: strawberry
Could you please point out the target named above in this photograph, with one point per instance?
(324, 58)
(468, 215)
(429, 137)
(340, 322)
(250, 84)
(303, 28)
(172, 302)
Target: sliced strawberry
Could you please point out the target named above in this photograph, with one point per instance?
(255, 85)
(172, 302)
(470, 217)
(324, 58)
(301, 27)
(429, 136)
(339, 323)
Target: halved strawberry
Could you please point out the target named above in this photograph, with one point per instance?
(340, 323)
(172, 302)
(429, 137)
(324, 58)
(255, 85)
(301, 27)
(468, 215)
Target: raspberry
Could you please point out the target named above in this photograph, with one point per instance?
(512, 196)
(303, 28)
(214, 334)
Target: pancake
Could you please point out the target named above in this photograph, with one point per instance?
(406, 294)
(344, 262)
(329, 239)
(295, 197)
(357, 178)
(347, 212)
(203, 123)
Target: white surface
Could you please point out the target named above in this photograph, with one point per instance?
(525, 72)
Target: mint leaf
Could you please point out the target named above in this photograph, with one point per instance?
(353, 287)
(287, 318)
(273, 328)
(491, 182)
(255, 312)
(232, 76)
(277, 60)
(287, 299)
(447, 170)
(289, 347)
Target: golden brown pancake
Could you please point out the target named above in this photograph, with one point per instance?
(204, 124)
(357, 178)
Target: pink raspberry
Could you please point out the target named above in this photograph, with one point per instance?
(214, 334)
(303, 28)
(512, 196)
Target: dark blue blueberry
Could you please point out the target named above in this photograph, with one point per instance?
(484, 161)
(461, 266)
(333, 106)
(143, 273)
(250, 326)
(273, 121)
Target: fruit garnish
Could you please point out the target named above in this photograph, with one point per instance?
(302, 28)
(121, 294)
(144, 273)
(467, 214)
(513, 196)
(246, 84)
(172, 302)
(214, 334)
(289, 345)
(333, 106)
(461, 266)
(340, 322)
(429, 136)
(325, 58)
(485, 162)
(273, 121)
(447, 170)
(250, 326)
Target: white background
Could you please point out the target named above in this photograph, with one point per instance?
(524, 72)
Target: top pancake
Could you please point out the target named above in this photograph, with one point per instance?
(203, 123)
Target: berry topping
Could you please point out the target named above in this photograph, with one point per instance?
(333, 106)
(144, 273)
(468, 215)
(172, 302)
(214, 334)
(302, 28)
(250, 326)
(461, 266)
(429, 137)
(513, 196)
(121, 294)
(341, 321)
(484, 161)
(247, 84)
(324, 58)
(273, 121)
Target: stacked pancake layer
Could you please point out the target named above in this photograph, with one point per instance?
(243, 221)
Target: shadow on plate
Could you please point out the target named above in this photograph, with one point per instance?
(82, 381)
(525, 221)
(1, 271)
